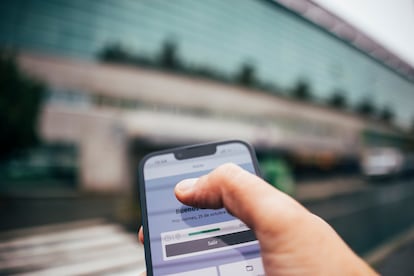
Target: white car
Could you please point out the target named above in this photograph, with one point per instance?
(382, 161)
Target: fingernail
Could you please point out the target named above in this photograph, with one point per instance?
(186, 185)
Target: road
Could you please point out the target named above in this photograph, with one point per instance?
(370, 214)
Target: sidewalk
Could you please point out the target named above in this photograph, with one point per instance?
(78, 248)
(327, 188)
(35, 207)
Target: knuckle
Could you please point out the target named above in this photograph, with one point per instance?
(226, 176)
(228, 170)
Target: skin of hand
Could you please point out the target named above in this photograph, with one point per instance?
(292, 240)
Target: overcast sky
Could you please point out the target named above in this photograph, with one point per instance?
(389, 22)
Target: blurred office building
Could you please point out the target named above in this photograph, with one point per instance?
(122, 78)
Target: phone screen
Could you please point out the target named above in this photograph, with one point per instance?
(184, 240)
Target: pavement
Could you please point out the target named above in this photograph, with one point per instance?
(87, 247)
(322, 189)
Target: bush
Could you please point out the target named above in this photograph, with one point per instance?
(338, 100)
(20, 103)
(302, 91)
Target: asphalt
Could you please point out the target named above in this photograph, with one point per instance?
(394, 257)
(400, 262)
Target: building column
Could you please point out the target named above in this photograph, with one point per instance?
(104, 157)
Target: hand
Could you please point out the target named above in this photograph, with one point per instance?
(292, 240)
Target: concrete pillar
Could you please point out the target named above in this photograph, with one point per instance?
(103, 156)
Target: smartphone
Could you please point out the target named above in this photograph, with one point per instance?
(183, 240)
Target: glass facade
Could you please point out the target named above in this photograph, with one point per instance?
(281, 47)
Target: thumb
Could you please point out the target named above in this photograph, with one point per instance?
(243, 194)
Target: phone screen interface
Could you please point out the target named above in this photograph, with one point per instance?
(191, 241)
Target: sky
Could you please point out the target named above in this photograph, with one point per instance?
(389, 22)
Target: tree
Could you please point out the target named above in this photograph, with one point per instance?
(338, 100)
(302, 91)
(246, 75)
(20, 103)
(114, 53)
(168, 56)
(366, 107)
(386, 114)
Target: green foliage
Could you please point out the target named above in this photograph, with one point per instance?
(278, 173)
(19, 108)
(168, 57)
(114, 52)
(118, 54)
(338, 100)
(386, 114)
(366, 107)
(302, 91)
(246, 75)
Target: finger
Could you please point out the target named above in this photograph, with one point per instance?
(141, 235)
(243, 194)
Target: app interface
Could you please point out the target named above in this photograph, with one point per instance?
(190, 241)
